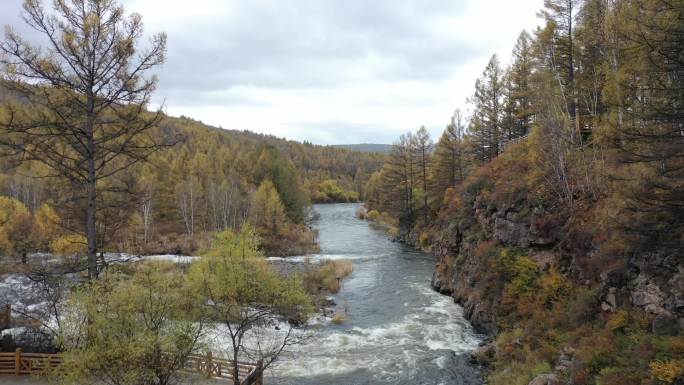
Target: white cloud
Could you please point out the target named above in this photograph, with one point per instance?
(326, 71)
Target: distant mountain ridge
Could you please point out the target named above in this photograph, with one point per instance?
(366, 147)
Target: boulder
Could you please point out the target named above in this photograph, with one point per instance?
(544, 379)
(648, 296)
(438, 283)
(609, 303)
(483, 355)
(511, 233)
(665, 325)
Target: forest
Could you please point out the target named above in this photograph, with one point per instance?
(558, 199)
(209, 180)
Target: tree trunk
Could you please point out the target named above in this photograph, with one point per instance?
(91, 232)
(236, 376)
(91, 196)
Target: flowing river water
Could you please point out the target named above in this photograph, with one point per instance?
(398, 330)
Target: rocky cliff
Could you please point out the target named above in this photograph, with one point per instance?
(565, 295)
(652, 281)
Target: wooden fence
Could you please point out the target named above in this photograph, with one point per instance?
(507, 143)
(221, 368)
(19, 363)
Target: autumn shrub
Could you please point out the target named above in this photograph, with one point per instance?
(328, 277)
(525, 273)
(424, 240)
(15, 227)
(373, 215)
(329, 191)
(135, 328)
(68, 245)
(667, 371)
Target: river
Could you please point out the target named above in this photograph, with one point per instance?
(398, 330)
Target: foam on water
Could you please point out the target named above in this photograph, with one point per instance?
(383, 347)
(319, 258)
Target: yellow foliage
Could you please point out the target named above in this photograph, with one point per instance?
(14, 217)
(424, 238)
(69, 244)
(618, 320)
(667, 371)
(46, 224)
(373, 215)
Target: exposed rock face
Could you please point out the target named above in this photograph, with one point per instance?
(544, 379)
(483, 355)
(609, 303)
(511, 233)
(652, 282)
(648, 296)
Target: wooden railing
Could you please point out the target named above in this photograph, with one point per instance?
(509, 142)
(19, 363)
(221, 368)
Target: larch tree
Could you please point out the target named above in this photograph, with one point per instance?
(82, 103)
(485, 125)
(520, 77)
(647, 119)
(560, 17)
(398, 180)
(449, 160)
(423, 151)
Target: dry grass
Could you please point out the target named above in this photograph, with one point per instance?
(328, 277)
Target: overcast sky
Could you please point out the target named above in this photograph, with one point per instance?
(326, 71)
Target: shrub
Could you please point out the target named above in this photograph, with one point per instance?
(373, 215)
(69, 245)
(525, 274)
(667, 371)
(328, 277)
(133, 329)
(424, 239)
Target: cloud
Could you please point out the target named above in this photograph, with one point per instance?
(326, 71)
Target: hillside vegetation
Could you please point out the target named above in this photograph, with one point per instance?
(557, 208)
(211, 179)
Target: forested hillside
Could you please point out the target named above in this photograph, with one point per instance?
(556, 206)
(208, 180)
(366, 147)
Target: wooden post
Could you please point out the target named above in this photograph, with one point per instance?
(17, 362)
(6, 317)
(210, 368)
(260, 373)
